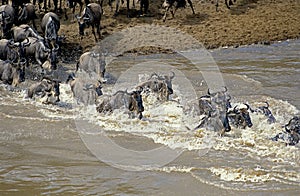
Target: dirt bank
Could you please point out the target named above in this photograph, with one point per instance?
(247, 22)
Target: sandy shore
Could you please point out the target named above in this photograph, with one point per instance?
(247, 22)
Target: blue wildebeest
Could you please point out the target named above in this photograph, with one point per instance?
(161, 85)
(12, 73)
(91, 16)
(291, 134)
(265, 111)
(169, 4)
(8, 50)
(41, 53)
(91, 62)
(47, 89)
(20, 33)
(227, 3)
(130, 101)
(239, 116)
(50, 26)
(118, 2)
(84, 89)
(27, 14)
(7, 19)
(213, 107)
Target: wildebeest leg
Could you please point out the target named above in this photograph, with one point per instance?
(98, 30)
(217, 5)
(165, 15)
(191, 4)
(117, 7)
(227, 3)
(128, 8)
(93, 31)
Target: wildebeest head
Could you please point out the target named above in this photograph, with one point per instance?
(293, 125)
(19, 75)
(162, 84)
(52, 87)
(267, 112)
(242, 117)
(82, 23)
(51, 31)
(136, 102)
(221, 97)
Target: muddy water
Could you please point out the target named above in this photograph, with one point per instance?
(43, 152)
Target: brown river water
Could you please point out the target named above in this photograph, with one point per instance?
(44, 151)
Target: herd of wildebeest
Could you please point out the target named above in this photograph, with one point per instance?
(21, 45)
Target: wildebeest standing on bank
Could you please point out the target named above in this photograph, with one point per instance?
(169, 4)
(8, 50)
(7, 19)
(50, 26)
(12, 73)
(41, 53)
(27, 14)
(91, 16)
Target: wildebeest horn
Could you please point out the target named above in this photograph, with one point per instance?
(86, 18)
(267, 104)
(26, 43)
(77, 17)
(23, 61)
(225, 89)
(47, 78)
(56, 47)
(208, 92)
(153, 74)
(173, 75)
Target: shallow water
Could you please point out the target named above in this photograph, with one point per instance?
(46, 149)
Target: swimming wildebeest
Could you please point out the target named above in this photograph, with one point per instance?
(91, 16)
(160, 85)
(47, 89)
(239, 116)
(50, 26)
(265, 111)
(92, 62)
(7, 19)
(130, 101)
(12, 73)
(213, 107)
(173, 5)
(84, 89)
(291, 134)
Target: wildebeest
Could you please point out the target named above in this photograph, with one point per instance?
(228, 4)
(169, 4)
(12, 73)
(9, 50)
(27, 14)
(130, 101)
(118, 2)
(73, 3)
(213, 107)
(92, 62)
(47, 89)
(84, 89)
(239, 116)
(7, 19)
(20, 33)
(291, 134)
(50, 26)
(41, 53)
(265, 111)
(91, 16)
(160, 85)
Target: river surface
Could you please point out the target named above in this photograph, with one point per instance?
(53, 149)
